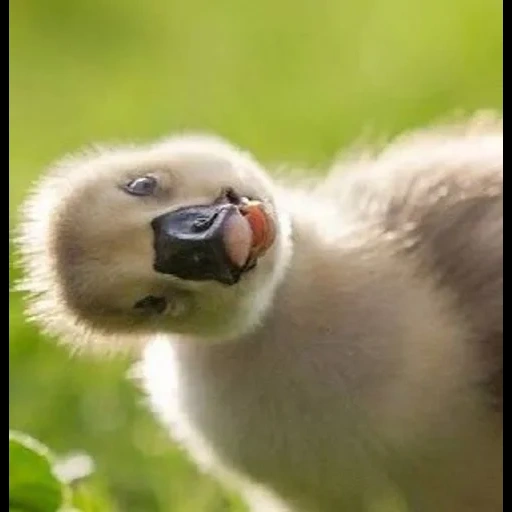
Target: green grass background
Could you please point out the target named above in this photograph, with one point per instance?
(290, 80)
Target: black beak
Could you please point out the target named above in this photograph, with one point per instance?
(189, 243)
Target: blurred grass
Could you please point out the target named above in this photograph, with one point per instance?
(288, 80)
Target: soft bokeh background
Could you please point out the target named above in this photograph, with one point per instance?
(290, 80)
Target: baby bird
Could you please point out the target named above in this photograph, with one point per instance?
(319, 346)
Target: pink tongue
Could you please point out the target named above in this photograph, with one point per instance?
(238, 239)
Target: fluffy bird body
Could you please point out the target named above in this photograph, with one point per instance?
(360, 361)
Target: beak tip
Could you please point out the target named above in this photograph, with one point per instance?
(237, 238)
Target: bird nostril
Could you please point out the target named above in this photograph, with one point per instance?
(203, 223)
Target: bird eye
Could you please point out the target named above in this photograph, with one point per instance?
(151, 304)
(144, 186)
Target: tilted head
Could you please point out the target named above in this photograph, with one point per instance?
(183, 236)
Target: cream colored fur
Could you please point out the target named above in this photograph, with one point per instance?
(352, 365)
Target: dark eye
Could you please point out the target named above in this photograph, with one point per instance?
(151, 304)
(144, 186)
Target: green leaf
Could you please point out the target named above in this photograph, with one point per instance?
(33, 486)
